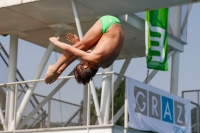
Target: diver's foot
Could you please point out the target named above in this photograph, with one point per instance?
(49, 75)
(55, 76)
(72, 38)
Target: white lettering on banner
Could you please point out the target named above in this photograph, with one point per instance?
(167, 112)
(141, 109)
(160, 40)
(180, 110)
(155, 104)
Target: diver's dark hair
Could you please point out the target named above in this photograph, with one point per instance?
(84, 75)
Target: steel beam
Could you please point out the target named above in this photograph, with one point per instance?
(35, 120)
(122, 71)
(96, 103)
(88, 107)
(174, 73)
(15, 105)
(70, 119)
(177, 21)
(49, 113)
(118, 114)
(186, 17)
(125, 113)
(12, 68)
(105, 95)
(175, 57)
(77, 20)
(80, 34)
(85, 104)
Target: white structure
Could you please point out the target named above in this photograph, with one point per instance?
(31, 19)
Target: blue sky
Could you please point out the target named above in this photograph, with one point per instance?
(30, 55)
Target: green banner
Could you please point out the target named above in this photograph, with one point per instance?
(156, 37)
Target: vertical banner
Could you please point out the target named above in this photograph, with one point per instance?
(152, 109)
(156, 39)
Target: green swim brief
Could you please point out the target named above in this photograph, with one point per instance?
(107, 21)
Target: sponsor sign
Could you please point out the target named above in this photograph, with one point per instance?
(152, 109)
(156, 36)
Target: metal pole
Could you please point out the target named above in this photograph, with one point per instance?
(15, 105)
(88, 107)
(12, 68)
(6, 108)
(177, 21)
(80, 34)
(125, 112)
(198, 112)
(105, 95)
(113, 88)
(175, 56)
(119, 113)
(174, 73)
(37, 76)
(49, 113)
(77, 20)
(186, 17)
(122, 71)
(96, 103)
(85, 104)
(70, 119)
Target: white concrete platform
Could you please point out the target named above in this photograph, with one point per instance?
(81, 129)
(35, 20)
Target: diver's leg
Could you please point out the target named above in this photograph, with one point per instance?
(87, 42)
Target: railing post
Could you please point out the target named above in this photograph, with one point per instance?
(125, 112)
(198, 112)
(88, 106)
(49, 113)
(105, 95)
(112, 95)
(15, 105)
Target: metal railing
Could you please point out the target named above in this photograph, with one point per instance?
(44, 118)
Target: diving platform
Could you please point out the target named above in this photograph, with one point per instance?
(82, 129)
(22, 110)
(37, 20)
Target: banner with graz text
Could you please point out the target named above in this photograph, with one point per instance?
(152, 109)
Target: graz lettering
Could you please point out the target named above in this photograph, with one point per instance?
(159, 107)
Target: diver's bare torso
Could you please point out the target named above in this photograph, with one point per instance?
(109, 46)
